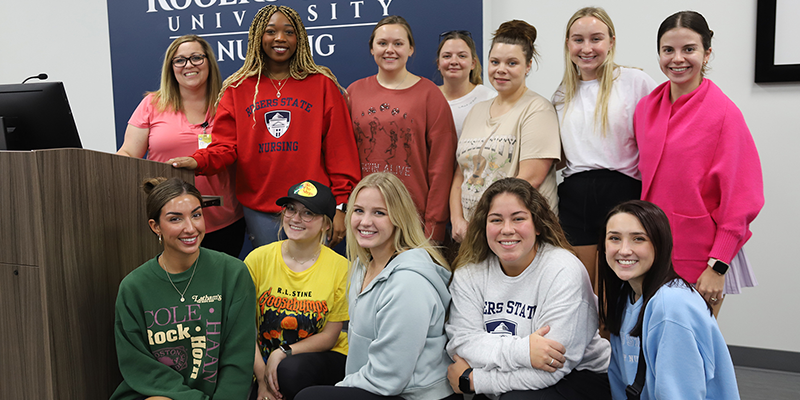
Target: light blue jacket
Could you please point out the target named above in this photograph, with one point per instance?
(685, 353)
(396, 334)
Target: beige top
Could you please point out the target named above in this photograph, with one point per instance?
(491, 148)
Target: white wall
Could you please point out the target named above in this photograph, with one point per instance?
(69, 41)
(765, 316)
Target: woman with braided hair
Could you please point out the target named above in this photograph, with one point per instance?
(282, 119)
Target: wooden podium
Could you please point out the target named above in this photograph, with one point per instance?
(72, 225)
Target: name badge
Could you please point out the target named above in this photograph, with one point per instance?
(203, 140)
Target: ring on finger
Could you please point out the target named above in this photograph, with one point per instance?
(551, 362)
(713, 299)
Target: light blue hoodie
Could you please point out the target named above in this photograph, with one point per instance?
(686, 354)
(396, 334)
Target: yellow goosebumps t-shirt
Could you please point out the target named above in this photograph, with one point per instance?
(292, 306)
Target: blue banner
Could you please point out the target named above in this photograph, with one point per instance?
(141, 30)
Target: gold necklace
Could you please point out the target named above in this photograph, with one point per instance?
(398, 85)
(303, 262)
(161, 259)
(280, 84)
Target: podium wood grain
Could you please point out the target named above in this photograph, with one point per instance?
(73, 225)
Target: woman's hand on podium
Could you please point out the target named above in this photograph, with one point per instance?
(183, 162)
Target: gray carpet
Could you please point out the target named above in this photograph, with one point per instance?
(761, 384)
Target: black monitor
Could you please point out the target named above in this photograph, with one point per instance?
(36, 116)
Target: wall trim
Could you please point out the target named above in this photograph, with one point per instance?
(786, 361)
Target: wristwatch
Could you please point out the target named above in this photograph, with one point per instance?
(463, 382)
(342, 207)
(718, 266)
(286, 349)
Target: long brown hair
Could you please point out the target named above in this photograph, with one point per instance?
(614, 293)
(475, 247)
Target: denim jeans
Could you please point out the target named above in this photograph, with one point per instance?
(262, 227)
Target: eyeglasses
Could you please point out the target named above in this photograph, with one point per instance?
(460, 32)
(289, 211)
(196, 60)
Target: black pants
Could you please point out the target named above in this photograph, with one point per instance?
(228, 240)
(585, 198)
(350, 393)
(300, 371)
(578, 385)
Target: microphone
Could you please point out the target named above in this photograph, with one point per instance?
(41, 76)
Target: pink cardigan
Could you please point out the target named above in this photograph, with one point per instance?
(700, 165)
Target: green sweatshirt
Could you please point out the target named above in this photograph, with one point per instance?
(201, 348)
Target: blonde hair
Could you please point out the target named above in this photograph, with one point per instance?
(301, 65)
(408, 233)
(474, 73)
(605, 72)
(327, 224)
(475, 247)
(168, 95)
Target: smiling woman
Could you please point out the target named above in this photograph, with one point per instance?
(656, 318)
(397, 297)
(279, 42)
(166, 306)
(523, 322)
(403, 124)
(176, 120)
(300, 346)
(696, 155)
(280, 99)
(595, 103)
(513, 135)
(460, 68)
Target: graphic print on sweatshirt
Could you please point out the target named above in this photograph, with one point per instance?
(288, 316)
(503, 317)
(187, 336)
(485, 161)
(502, 327)
(278, 122)
(385, 143)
